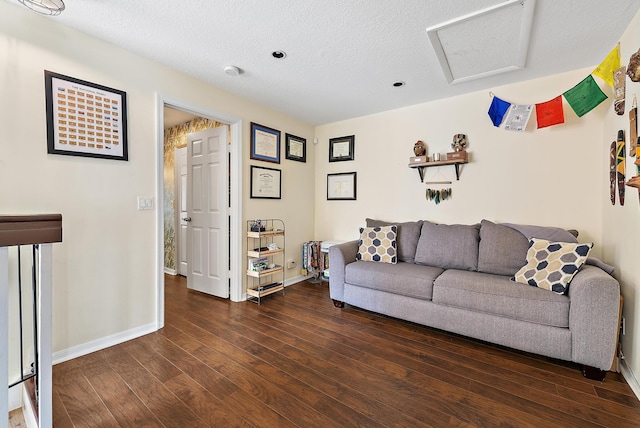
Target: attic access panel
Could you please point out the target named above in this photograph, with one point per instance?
(489, 41)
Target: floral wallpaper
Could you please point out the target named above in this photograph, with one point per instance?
(174, 138)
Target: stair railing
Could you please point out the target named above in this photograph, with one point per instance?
(39, 232)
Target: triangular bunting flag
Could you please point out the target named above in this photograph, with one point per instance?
(518, 117)
(550, 113)
(585, 96)
(610, 64)
(497, 110)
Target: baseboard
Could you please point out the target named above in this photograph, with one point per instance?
(630, 378)
(296, 279)
(102, 343)
(28, 412)
(15, 397)
(170, 271)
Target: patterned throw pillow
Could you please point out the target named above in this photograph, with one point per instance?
(378, 244)
(552, 265)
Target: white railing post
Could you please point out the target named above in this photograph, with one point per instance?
(4, 337)
(45, 366)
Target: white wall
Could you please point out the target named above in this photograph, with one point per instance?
(105, 269)
(549, 176)
(621, 224)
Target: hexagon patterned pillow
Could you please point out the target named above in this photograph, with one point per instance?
(378, 244)
(552, 265)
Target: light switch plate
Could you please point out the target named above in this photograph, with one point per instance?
(145, 203)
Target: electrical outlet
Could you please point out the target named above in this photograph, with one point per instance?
(291, 264)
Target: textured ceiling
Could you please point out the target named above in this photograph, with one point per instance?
(342, 56)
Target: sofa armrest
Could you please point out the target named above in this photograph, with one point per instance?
(593, 317)
(339, 257)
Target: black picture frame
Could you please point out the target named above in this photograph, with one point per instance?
(295, 148)
(265, 143)
(342, 186)
(263, 183)
(342, 148)
(85, 119)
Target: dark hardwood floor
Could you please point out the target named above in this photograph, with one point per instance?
(296, 361)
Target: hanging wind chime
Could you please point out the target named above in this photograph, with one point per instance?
(438, 196)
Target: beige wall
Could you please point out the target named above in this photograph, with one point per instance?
(621, 225)
(549, 176)
(105, 270)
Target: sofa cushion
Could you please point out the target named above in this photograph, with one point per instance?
(407, 238)
(407, 279)
(497, 295)
(378, 244)
(502, 250)
(545, 232)
(552, 265)
(452, 246)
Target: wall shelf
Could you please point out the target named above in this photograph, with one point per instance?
(421, 166)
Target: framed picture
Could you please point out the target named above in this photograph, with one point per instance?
(85, 119)
(295, 148)
(266, 183)
(341, 149)
(265, 143)
(341, 186)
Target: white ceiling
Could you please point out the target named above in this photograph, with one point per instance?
(343, 56)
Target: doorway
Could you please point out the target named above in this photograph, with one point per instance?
(234, 166)
(178, 128)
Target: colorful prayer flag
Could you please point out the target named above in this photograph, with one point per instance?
(550, 113)
(585, 96)
(497, 110)
(518, 117)
(610, 64)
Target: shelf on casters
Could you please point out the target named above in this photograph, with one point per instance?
(256, 293)
(265, 234)
(254, 253)
(422, 165)
(266, 272)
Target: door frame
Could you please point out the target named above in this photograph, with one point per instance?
(177, 226)
(235, 226)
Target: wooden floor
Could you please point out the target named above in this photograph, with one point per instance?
(296, 361)
(16, 420)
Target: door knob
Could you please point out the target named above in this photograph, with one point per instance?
(187, 219)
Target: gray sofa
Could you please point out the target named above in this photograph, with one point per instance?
(458, 278)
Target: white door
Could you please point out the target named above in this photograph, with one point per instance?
(207, 230)
(181, 198)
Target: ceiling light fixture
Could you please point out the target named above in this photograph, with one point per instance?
(278, 54)
(398, 84)
(232, 70)
(45, 7)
